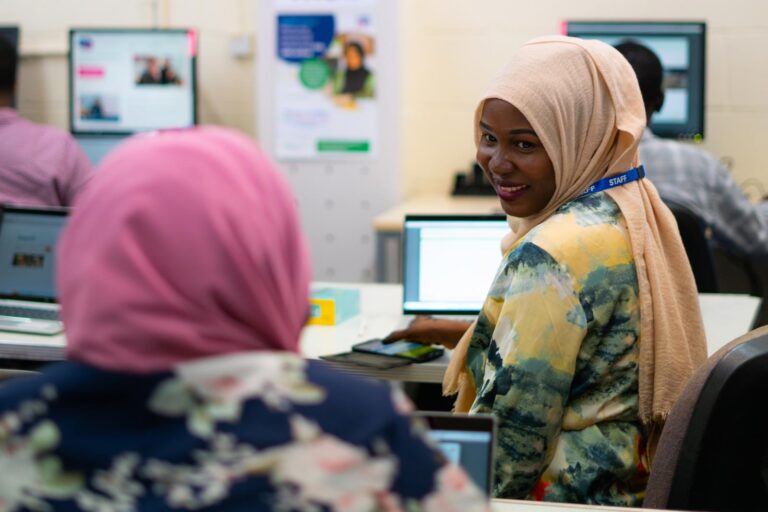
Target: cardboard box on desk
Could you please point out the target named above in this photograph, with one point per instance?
(331, 306)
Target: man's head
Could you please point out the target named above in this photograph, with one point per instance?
(8, 61)
(649, 73)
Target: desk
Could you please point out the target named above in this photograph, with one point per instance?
(31, 347)
(389, 225)
(380, 314)
(536, 506)
(726, 317)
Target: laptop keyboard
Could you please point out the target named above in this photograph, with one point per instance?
(36, 313)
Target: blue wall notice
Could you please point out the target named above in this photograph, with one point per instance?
(304, 37)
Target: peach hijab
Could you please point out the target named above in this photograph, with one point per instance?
(583, 101)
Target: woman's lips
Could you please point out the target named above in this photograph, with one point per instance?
(510, 192)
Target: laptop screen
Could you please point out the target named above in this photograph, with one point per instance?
(449, 262)
(28, 238)
(467, 441)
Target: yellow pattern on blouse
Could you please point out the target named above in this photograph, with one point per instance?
(554, 356)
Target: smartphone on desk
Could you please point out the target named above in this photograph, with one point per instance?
(367, 360)
(415, 352)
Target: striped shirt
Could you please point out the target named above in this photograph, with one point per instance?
(39, 165)
(689, 177)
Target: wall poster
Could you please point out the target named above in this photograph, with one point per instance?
(325, 80)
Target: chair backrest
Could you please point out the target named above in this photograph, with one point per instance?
(693, 231)
(713, 451)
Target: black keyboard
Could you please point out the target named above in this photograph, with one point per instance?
(24, 312)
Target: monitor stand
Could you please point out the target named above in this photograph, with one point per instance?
(96, 147)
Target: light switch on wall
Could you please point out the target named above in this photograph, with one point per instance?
(241, 46)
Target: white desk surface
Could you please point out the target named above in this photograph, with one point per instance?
(380, 314)
(536, 506)
(31, 347)
(392, 219)
(726, 317)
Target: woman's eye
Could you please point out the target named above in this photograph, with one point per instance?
(525, 145)
(488, 138)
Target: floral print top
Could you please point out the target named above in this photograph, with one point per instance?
(554, 356)
(252, 431)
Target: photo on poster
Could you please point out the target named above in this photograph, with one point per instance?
(352, 79)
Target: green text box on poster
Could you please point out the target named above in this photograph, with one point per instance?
(343, 146)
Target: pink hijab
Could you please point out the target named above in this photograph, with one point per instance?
(186, 244)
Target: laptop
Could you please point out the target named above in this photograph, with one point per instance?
(467, 440)
(28, 238)
(449, 262)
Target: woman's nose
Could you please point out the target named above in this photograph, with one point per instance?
(499, 163)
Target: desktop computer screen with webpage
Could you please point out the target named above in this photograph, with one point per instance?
(681, 47)
(125, 81)
(28, 253)
(449, 262)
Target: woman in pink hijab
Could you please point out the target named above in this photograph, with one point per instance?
(184, 280)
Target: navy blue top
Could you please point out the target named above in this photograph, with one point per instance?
(253, 431)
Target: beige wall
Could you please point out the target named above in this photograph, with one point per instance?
(450, 48)
(226, 85)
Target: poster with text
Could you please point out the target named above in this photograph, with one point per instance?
(325, 84)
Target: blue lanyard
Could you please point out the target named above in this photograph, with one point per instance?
(634, 174)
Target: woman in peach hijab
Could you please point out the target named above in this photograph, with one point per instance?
(592, 325)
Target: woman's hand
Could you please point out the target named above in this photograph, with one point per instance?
(429, 331)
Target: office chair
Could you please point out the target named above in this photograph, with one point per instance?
(713, 451)
(693, 231)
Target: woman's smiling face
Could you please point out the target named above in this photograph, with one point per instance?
(514, 160)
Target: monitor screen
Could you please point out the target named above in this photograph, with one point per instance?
(449, 262)
(131, 80)
(28, 239)
(681, 47)
(11, 34)
(466, 440)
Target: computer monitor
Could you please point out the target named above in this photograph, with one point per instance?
(681, 47)
(28, 241)
(466, 440)
(124, 81)
(11, 34)
(449, 262)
